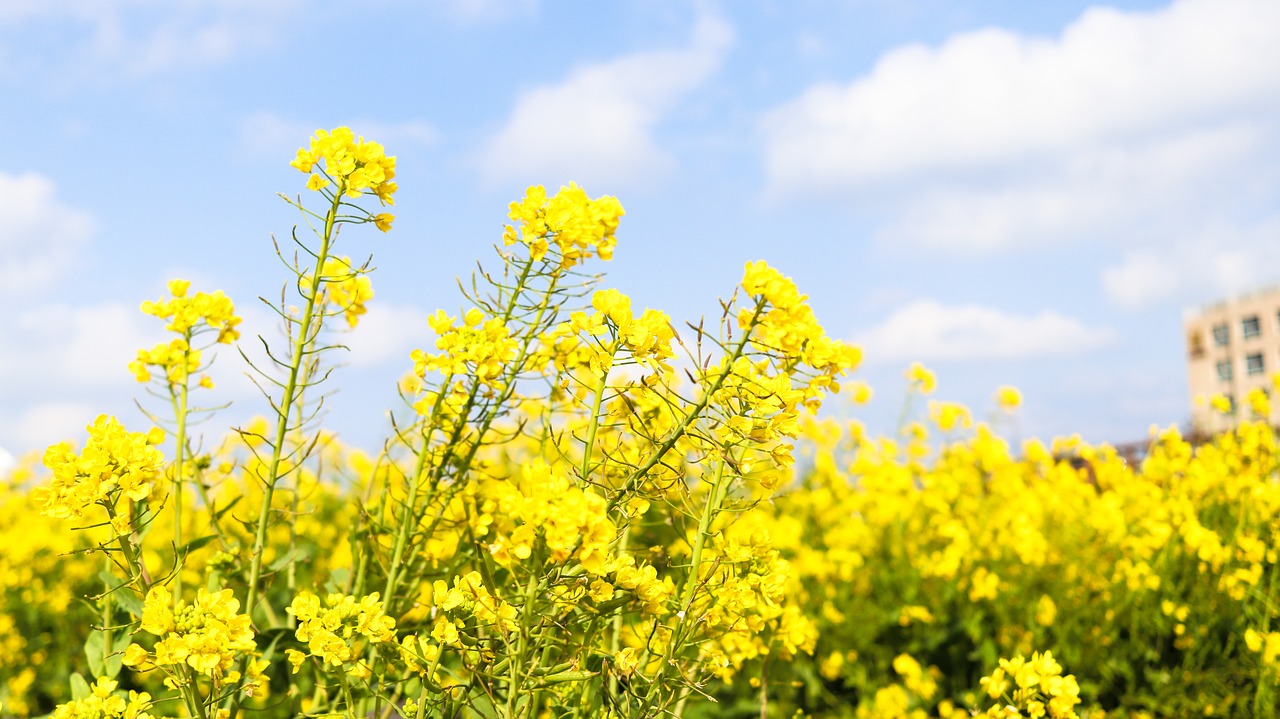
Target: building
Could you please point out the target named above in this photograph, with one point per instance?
(1232, 347)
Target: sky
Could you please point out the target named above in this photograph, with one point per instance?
(1012, 193)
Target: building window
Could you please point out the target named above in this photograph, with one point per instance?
(1224, 370)
(1253, 364)
(1195, 344)
(1250, 327)
(1221, 334)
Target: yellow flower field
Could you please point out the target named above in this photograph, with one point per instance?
(586, 510)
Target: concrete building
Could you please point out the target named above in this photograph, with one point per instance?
(1232, 347)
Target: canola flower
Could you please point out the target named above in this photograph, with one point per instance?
(583, 512)
(1032, 688)
(105, 703)
(339, 157)
(328, 628)
(207, 635)
(579, 227)
(114, 464)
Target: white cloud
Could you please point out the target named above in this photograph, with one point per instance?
(39, 235)
(1128, 127)
(1125, 193)
(269, 133)
(386, 334)
(990, 97)
(67, 347)
(1212, 264)
(7, 461)
(135, 38)
(49, 422)
(597, 125)
(928, 331)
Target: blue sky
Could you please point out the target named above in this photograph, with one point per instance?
(1021, 193)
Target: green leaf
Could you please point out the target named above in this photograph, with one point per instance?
(94, 650)
(337, 580)
(79, 687)
(121, 595)
(300, 553)
(103, 663)
(197, 543)
(115, 659)
(217, 516)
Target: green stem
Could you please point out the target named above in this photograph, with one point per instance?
(107, 620)
(637, 476)
(296, 360)
(180, 471)
(615, 638)
(193, 689)
(715, 495)
(406, 521)
(137, 569)
(601, 385)
(710, 511)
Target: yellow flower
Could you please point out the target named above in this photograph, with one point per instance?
(331, 629)
(114, 463)
(860, 392)
(921, 378)
(136, 656)
(344, 288)
(355, 165)
(104, 703)
(445, 632)
(627, 660)
(949, 415)
(1259, 403)
(601, 591)
(1046, 611)
(1221, 404)
(1008, 398)
(578, 226)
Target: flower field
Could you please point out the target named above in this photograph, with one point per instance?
(585, 510)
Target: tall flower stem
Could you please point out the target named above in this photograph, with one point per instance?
(307, 328)
(306, 331)
(180, 399)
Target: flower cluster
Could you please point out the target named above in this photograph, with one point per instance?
(1267, 645)
(334, 630)
(338, 156)
(208, 635)
(641, 579)
(543, 512)
(647, 337)
(103, 703)
(579, 227)
(189, 316)
(788, 326)
(114, 463)
(480, 345)
(468, 598)
(748, 608)
(1038, 689)
(214, 310)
